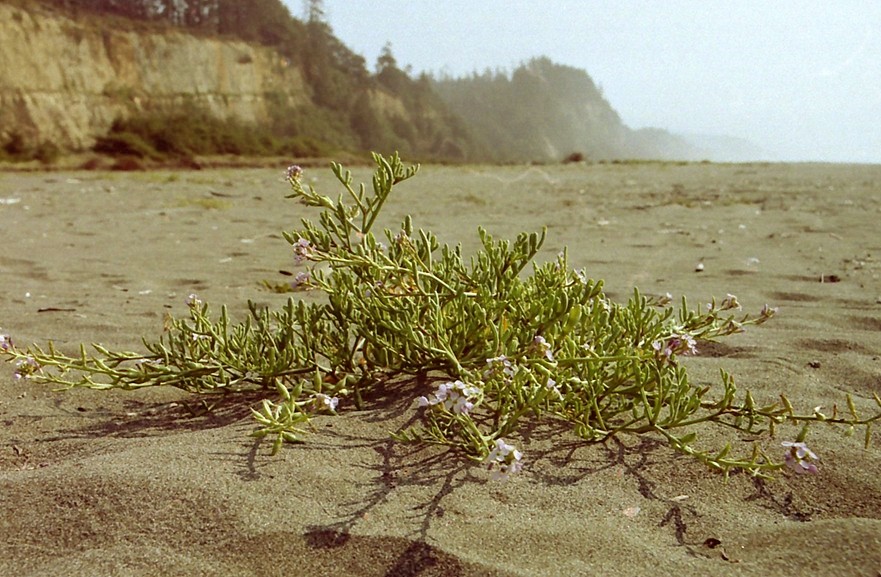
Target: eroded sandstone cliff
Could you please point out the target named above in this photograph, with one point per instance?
(65, 81)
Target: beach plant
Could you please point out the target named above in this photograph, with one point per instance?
(477, 344)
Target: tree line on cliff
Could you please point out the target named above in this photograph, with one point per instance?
(541, 111)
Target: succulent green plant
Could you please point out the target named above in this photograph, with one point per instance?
(501, 338)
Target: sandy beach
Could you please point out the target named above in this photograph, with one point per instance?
(149, 483)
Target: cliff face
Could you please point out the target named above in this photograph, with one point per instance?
(65, 81)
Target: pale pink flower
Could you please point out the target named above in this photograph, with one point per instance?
(677, 344)
(302, 250)
(294, 172)
(729, 302)
(799, 457)
(302, 279)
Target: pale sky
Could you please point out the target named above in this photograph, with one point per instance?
(801, 79)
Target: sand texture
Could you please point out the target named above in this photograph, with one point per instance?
(147, 483)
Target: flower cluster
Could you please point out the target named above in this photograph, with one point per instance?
(683, 344)
(26, 367)
(5, 342)
(499, 367)
(301, 280)
(503, 460)
(294, 172)
(542, 347)
(455, 397)
(302, 250)
(193, 301)
(798, 458)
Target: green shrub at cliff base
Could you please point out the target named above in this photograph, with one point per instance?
(179, 133)
(17, 149)
(192, 131)
(477, 345)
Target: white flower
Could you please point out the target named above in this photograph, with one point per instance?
(551, 386)
(25, 368)
(462, 405)
(683, 344)
(690, 345)
(768, 311)
(503, 460)
(542, 347)
(453, 396)
(729, 302)
(501, 451)
(499, 365)
(326, 402)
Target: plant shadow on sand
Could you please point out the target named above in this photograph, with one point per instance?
(559, 459)
(441, 472)
(137, 418)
